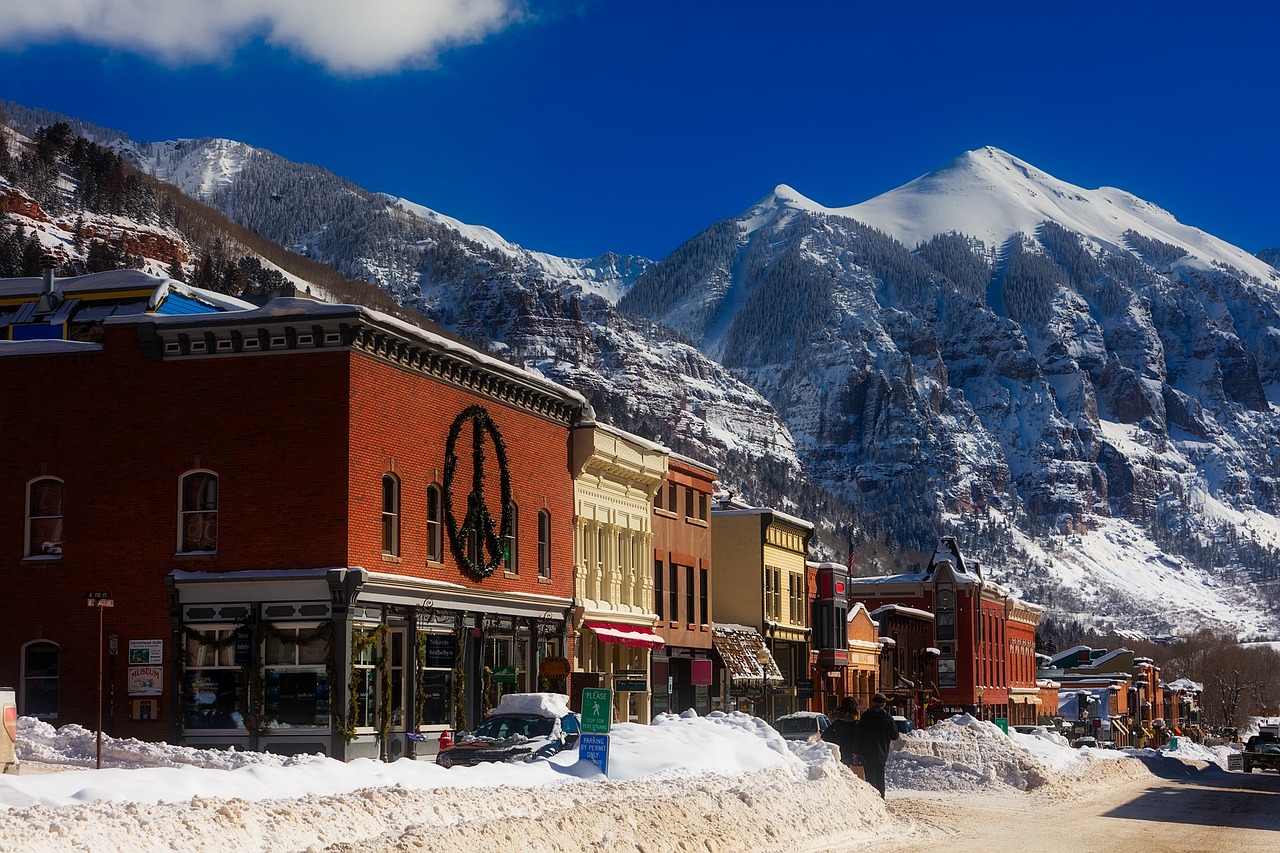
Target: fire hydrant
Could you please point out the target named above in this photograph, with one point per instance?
(446, 739)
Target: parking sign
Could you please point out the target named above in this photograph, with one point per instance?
(594, 748)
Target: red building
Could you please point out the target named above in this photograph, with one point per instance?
(984, 637)
(321, 528)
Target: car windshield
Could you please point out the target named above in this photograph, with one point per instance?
(509, 725)
(797, 725)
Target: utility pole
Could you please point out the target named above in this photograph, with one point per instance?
(100, 600)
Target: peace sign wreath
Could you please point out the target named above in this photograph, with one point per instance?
(478, 521)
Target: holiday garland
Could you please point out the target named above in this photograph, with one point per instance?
(360, 643)
(459, 687)
(477, 521)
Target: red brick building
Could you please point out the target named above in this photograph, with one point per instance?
(984, 637)
(322, 529)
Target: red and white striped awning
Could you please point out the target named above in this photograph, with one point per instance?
(626, 635)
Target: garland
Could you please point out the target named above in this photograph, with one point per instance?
(458, 689)
(362, 642)
(420, 680)
(477, 520)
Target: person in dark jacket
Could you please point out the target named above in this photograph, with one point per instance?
(843, 731)
(876, 729)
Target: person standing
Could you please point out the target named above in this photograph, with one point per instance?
(876, 730)
(843, 731)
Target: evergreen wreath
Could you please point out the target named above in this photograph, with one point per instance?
(477, 518)
(360, 643)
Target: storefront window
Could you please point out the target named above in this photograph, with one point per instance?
(506, 662)
(296, 689)
(946, 672)
(213, 681)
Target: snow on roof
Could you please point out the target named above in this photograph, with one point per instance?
(904, 610)
(540, 704)
(46, 347)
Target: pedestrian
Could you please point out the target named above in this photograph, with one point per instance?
(875, 730)
(843, 731)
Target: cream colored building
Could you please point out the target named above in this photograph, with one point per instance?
(616, 475)
(762, 583)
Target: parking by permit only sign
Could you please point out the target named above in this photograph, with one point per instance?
(594, 748)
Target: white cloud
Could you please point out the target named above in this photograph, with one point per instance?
(357, 37)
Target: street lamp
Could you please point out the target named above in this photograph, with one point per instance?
(762, 657)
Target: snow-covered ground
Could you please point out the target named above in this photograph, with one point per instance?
(717, 778)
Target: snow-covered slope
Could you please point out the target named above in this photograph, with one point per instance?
(992, 195)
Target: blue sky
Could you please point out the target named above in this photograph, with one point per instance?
(583, 127)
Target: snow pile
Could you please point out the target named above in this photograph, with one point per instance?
(967, 754)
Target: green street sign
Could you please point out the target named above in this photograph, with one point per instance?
(597, 710)
(504, 675)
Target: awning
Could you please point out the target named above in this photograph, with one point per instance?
(744, 653)
(626, 635)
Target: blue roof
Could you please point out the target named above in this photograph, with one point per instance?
(176, 303)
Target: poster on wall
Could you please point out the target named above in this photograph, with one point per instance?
(146, 680)
(143, 652)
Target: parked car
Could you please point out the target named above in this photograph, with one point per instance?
(803, 725)
(8, 731)
(904, 725)
(524, 727)
(1027, 730)
(1085, 741)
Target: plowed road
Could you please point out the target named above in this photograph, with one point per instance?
(1183, 810)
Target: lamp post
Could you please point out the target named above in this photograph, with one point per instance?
(762, 657)
(100, 600)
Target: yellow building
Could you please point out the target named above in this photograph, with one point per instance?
(616, 475)
(761, 584)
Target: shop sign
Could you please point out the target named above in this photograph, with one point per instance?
(554, 667)
(804, 688)
(143, 652)
(631, 681)
(146, 680)
(594, 748)
(244, 646)
(504, 675)
(441, 651)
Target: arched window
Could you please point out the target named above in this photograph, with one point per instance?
(544, 543)
(390, 515)
(40, 680)
(435, 524)
(44, 518)
(198, 512)
(510, 561)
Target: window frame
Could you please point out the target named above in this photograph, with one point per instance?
(435, 524)
(511, 545)
(320, 669)
(390, 527)
(24, 700)
(29, 539)
(223, 661)
(544, 543)
(185, 512)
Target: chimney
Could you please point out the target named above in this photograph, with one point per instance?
(50, 298)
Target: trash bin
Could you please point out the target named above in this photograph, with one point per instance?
(1173, 743)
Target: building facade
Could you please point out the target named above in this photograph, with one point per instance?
(615, 478)
(321, 529)
(683, 588)
(760, 561)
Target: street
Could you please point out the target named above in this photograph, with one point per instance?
(1181, 809)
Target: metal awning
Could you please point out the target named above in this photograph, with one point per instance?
(744, 654)
(626, 635)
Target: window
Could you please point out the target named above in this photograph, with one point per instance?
(435, 678)
(945, 618)
(214, 683)
(198, 526)
(390, 515)
(703, 499)
(704, 596)
(435, 525)
(689, 592)
(671, 497)
(44, 518)
(510, 561)
(796, 590)
(772, 592)
(689, 504)
(369, 689)
(673, 593)
(40, 680)
(659, 603)
(544, 543)
(296, 684)
(946, 672)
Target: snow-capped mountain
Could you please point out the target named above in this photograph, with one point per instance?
(1073, 381)
(1072, 377)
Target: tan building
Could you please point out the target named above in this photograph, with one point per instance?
(615, 478)
(863, 672)
(760, 564)
(682, 588)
